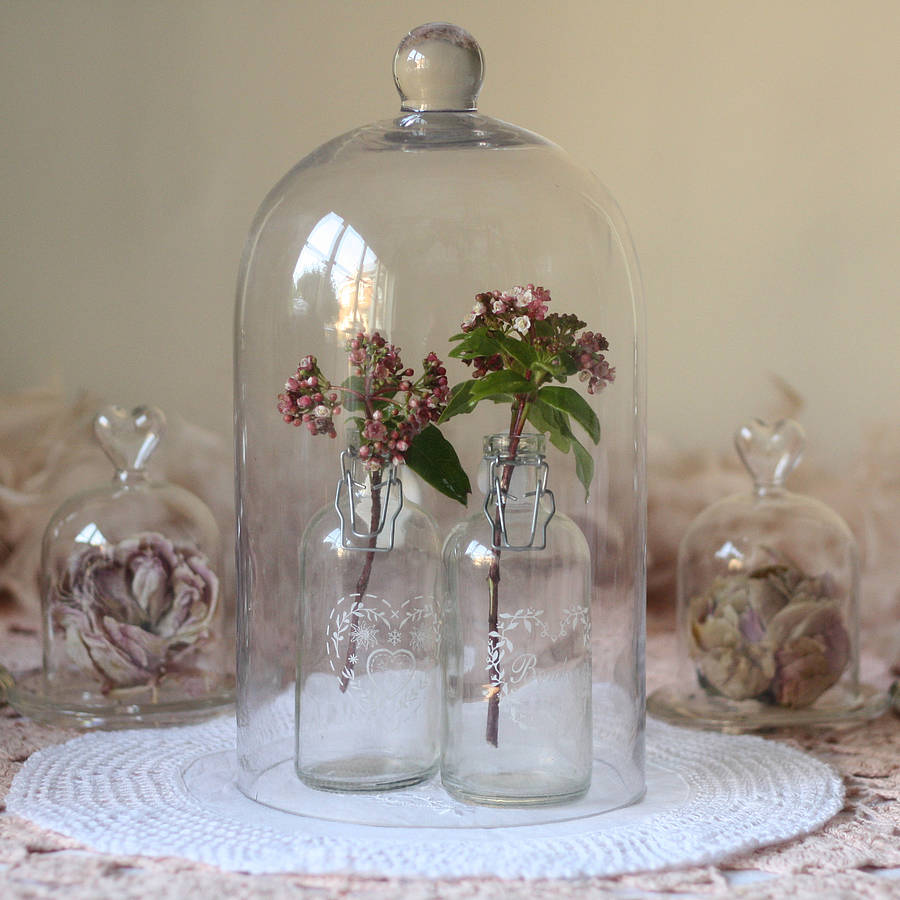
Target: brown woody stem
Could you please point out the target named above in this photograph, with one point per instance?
(520, 414)
(363, 583)
(361, 586)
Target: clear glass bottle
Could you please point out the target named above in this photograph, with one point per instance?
(132, 597)
(394, 227)
(768, 594)
(517, 640)
(368, 675)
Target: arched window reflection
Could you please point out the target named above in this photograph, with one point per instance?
(339, 275)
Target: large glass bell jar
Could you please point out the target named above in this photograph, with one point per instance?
(393, 280)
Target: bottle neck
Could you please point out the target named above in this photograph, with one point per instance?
(515, 465)
(130, 477)
(768, 489)
(365, 479)
(520, 448)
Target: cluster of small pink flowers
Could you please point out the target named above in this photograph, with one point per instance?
(308, 399)
(509, 310)
(394, 407)
(595, 370)
(484, 364)
(515, 312)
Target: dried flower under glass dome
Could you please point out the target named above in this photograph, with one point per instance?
(133, 597)
(774, 634)
(135, 610)
(768, 594)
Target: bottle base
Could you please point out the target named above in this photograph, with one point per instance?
(517, 789)
(364, 774)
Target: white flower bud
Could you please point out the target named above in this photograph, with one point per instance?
(522, 324)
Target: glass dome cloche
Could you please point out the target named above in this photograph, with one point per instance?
(406, 290)
(768, 604)
(133, 597)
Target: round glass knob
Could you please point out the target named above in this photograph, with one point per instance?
(438, 67)
(770, 451)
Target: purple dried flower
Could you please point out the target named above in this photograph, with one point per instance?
(774, 634)
(132, 610)
(813, 649)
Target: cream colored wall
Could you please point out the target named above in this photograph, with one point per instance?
(754, 147)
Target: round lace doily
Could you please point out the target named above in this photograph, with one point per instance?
(171, 792)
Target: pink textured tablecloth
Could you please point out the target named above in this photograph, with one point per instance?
(854, 855)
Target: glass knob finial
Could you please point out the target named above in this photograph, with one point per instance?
(438, 66)
(129, 437)
(770, 451)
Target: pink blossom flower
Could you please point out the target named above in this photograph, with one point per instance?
(537, 309)
(403, 405)
(374, 431)
(523, 296)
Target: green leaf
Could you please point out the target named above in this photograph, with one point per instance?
(460, 400)
(432, 457)
(571, 402)
(556, 424)
(567, 364)
(502, 382)
(352, 403)
(521, 351)
(479, 342)
(549, 367)
(560, 366)
(551, 422)
(584, 467)
(348, 401)
(499, 398)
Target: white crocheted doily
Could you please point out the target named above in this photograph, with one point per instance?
(172, 792)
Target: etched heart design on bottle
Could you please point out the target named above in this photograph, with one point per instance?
(129, 437)
(770, 451)
(391, 675)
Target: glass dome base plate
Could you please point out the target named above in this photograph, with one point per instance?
(696, 708)
(426, 805)
(26, 693)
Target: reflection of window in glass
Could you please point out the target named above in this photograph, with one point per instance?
(339, 275)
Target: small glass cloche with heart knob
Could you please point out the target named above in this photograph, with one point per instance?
(768, 592)
(132, 601)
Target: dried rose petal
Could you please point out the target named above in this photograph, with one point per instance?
(813, 649)
(775, 633)
(131, 610)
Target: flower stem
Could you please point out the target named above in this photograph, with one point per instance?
(362, 584)
(520, 415)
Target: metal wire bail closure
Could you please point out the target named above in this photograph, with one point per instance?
(356, 533)
(496, 496)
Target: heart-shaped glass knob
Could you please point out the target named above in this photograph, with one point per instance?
(129, 437)
(770, 451)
